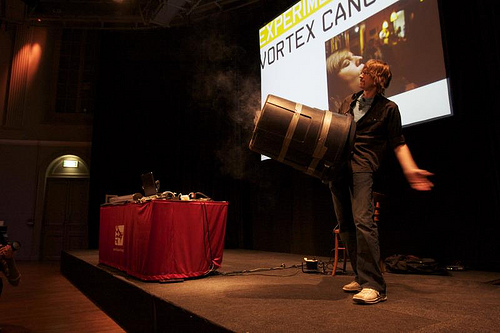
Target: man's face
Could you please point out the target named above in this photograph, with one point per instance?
(366, 81)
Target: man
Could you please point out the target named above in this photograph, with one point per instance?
(8, 266)
(378, 127)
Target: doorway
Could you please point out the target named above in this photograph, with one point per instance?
(65, 217)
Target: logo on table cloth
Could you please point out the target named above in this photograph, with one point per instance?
(119, 234)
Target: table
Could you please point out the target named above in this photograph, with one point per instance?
(163, 239)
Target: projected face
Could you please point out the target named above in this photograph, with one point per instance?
(350, 70)
(343, 68)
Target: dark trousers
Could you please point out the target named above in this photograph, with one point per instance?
(353, 202)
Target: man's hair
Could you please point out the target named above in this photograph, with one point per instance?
(380, 72)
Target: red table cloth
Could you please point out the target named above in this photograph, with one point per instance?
(163, 239)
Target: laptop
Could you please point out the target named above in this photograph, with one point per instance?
(149, 185)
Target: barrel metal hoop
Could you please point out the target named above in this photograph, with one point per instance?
(290, 132)
(321, 149)
(346, 128)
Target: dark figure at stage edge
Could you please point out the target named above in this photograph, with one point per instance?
(378, 127)
(8, 267)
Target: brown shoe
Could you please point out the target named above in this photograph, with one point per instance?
(369, 296)
(352, 287)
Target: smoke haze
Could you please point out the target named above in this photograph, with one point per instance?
(235, 95)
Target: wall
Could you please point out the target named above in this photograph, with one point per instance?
(29, 138)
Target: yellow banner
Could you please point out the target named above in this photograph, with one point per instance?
(290, 18)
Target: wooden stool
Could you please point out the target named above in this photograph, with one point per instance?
(338, 247)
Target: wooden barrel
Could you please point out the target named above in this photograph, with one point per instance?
(314, 141)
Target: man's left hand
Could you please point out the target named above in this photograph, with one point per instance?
(418, 179)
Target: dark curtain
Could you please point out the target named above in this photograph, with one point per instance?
(180, 102)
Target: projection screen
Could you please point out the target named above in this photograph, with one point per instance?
(313, 51)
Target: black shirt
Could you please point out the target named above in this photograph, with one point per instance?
(379, 129)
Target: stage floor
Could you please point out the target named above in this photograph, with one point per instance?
(289, 300)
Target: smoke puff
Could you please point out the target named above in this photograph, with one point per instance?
(232, 95)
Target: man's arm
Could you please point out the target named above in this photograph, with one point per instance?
(415, 176)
